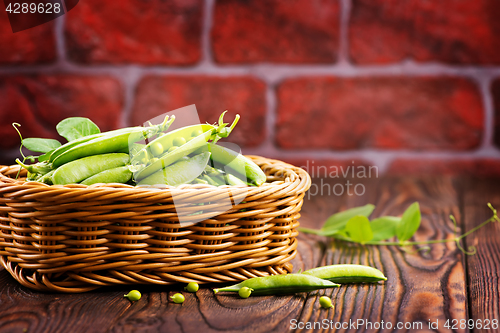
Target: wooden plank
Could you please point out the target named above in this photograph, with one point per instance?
(421, 286)
(483, 268)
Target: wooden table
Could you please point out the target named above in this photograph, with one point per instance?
(437, 286)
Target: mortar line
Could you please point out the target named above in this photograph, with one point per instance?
(489, 112)
(276, 73)
(59, 39)
(345, 13)
(270, 120)
(129, 79)
(206, 51)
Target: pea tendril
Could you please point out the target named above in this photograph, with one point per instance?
(31, 158)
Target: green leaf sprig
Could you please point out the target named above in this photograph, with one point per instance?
(353, 225)
(71, 128)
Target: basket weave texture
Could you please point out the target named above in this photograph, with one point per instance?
(76, 238)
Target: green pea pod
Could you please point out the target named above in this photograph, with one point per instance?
(116, 175)
(233, 180)
(222, 178)
(212, 180)
(83, 168)
(182, 172)
(238, 164)
(171, 157)
(347, 273)
(67, 146)
(115, 142)
(170, 154)
(47, 178)
(281, 284)
(163, 143)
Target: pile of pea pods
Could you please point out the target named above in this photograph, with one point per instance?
(148, 156)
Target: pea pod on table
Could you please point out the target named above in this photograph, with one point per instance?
(281, 284)
(347, 273)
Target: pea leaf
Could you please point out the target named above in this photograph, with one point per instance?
(73, 128)
(40, 145)
(338, 221)
(384, 227)
(410, 221)
(359, 230)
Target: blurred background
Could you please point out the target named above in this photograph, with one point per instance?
(409, 86)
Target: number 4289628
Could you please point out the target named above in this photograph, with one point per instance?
(39, 8)
(485, 324)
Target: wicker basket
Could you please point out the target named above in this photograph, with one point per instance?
(76, 238)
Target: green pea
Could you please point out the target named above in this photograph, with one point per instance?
(156, 149)
(196, 132)
(133, 295)
(192, 287)
(325, 302)
(172, 149)
(178, 141)
(178, 298)
(245, 292)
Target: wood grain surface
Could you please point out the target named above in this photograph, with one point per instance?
(483, 268)
(435, 284)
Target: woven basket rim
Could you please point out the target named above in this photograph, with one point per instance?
(291, 174)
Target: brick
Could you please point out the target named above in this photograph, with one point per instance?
(38, 103)
(133, 31)
(384, 112)
(484, 167)
(212, 95)
(33, 46)
(456, 32)
(302, 31)
(495, 90)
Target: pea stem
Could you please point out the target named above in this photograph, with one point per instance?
(456, 239)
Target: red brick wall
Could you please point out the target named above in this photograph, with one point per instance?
(412, 87)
